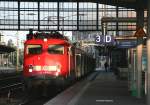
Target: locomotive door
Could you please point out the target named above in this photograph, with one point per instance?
(78, 65)
(82, 65)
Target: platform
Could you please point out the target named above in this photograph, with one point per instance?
(100, 88)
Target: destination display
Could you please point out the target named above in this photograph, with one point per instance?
(126, 43)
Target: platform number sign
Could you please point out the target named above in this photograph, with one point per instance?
(101, 39)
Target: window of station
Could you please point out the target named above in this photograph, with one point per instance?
(34, 49)
(56, 49)
(28, 15)
(87, 16)
(48, 15)
(8, 14)
(68, 16)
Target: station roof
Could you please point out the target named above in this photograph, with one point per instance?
(134, 4)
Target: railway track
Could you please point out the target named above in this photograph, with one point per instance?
(13, 95)
(39, 101)
(9, 94)
(11, 87)
(31, 100)
(10, 80)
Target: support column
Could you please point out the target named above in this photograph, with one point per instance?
(7, 60)
(148, 55)
(13, 58)
(140, 24)
(139, 70)
(117, 30)
(2, 60)
(131, 68)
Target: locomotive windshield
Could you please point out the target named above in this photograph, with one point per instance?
(34, 49)
(56, 49)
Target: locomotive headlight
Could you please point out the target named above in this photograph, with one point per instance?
(30, 70)
(58, 68)
(57, 74)
(45, 40)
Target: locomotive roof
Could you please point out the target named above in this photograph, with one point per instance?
(43, 35)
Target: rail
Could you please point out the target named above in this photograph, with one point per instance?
(12, 87)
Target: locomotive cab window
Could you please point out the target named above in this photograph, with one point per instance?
(34, 49)
(56, 49)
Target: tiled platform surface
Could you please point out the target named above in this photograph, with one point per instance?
(99, 89)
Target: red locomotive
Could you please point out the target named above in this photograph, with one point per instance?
(50, 58)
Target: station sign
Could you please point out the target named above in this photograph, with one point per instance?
(140, 32)
(104, 39)
(126, 43)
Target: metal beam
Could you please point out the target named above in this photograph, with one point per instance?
(97, 16)
(117, 33)
(120, 3)
(120, 19)
(38, 16)
(77, 15)
(148, 55)
(18, 15)
(58, 15)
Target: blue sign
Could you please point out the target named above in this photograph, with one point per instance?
(107, 39)
(126, 43)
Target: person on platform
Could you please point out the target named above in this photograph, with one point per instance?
(106, 66)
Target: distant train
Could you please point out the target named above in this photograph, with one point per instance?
(49, 58)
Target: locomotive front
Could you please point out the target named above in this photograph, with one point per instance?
(45, 59)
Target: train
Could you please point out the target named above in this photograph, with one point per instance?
(51, 59)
